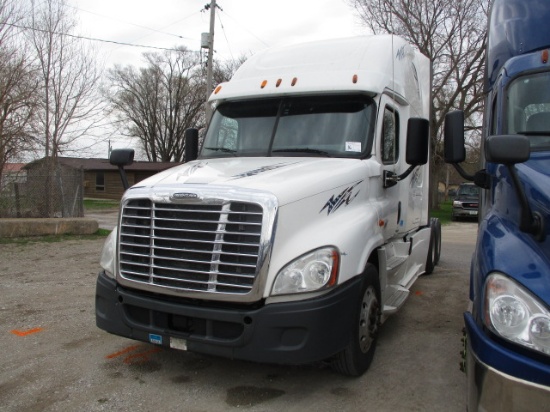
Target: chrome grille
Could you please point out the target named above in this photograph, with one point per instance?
(194, 247)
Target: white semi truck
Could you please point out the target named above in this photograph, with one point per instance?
(301, 225)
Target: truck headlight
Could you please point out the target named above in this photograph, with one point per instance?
(457, 203)
(107, 260)
(515, 314)
(310, 272)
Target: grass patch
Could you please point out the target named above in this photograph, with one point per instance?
(100, 204)
(100, 234)
(444, 212)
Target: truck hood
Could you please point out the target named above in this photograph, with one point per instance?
(309, 176)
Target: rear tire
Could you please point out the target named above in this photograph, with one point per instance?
(356, 358)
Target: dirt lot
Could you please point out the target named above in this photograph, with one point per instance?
(54, 358)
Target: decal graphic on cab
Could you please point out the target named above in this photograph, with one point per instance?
(344, 198)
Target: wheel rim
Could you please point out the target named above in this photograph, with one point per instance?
(368, 319)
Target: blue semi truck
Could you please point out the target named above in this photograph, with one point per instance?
(507, 351)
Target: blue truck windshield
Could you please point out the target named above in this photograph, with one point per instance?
(332, 126)
(528, 109)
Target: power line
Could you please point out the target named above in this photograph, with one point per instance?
(89, 38)
(161, 30)
(225, 35)
(243, 27)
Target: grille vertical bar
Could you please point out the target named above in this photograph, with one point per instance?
(191, 247)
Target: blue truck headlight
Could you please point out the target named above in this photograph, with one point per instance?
(107, 261)
(512, 312)
(310, 272)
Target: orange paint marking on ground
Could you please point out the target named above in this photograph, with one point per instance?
(26, 332)
(122, 352)
(418, 293)
(141, 357)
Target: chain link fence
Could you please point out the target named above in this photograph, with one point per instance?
(49, 190)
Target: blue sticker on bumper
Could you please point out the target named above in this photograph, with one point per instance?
(156, 339)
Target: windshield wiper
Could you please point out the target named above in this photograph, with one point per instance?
(302, 150)
(534, 133)
(220, 149)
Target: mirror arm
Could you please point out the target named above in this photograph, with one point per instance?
(123, 177)
(121, 158)
(463, 173)
(391, 179)
(482, 179)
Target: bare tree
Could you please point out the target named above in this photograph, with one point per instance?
(68, 80)
(223, 71)
(157, 103)
(69, 77)
(17, 87)
(452, 34)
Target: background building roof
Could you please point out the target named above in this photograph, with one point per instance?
(103, 164)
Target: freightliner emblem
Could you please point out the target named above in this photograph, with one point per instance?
(184, 196)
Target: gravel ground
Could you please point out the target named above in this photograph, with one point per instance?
(54, 358)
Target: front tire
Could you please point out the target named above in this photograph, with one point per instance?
(356, 358)
(436, 224)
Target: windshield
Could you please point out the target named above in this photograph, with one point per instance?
(468, 190)
(528, 109)
(335, 126)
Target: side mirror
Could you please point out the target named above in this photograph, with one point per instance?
(418, 146)
(508, 150)
(418, 140)
(455, 151)
(121, 158)
(191, 144)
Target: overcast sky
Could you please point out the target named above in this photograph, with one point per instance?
(242, 26)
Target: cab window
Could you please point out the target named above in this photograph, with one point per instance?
(390, 136)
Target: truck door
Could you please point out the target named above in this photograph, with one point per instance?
(388, 144)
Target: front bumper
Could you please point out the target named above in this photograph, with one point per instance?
(500, 379)
(289, 333)
(460, 212)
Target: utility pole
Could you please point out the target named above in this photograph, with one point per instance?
(209, 68)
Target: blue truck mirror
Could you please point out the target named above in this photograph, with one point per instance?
(507, 149)
(454, 137)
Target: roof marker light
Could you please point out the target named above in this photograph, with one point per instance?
(354, 79)
(278, 82)
(544, 56)
(264, 83)
(217, 90)
(294, 81)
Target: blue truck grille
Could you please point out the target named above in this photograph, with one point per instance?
(192, 247)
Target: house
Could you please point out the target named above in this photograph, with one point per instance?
(99, 178)
(12, 173)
